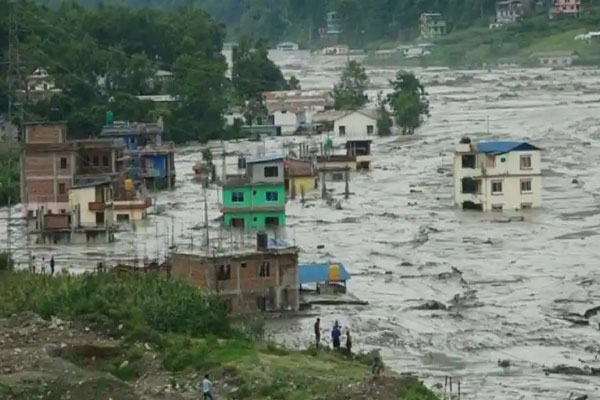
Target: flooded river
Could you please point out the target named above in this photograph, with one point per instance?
(400, 235)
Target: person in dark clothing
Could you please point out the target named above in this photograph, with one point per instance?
(52, 266)
(318, 332)
(335, 335)
(348, 342)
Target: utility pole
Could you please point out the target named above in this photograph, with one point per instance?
(206, 222)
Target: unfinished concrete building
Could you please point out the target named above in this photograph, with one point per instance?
(250, 281)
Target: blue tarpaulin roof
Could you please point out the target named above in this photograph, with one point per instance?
(503, 146)
(317, 273)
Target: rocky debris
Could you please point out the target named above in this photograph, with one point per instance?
(570, 370)
(582, 397)
(504, 363)
(432, 305)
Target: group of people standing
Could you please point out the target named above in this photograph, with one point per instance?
(336, 336)
(45, 266)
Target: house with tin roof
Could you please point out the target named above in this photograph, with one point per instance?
(497, 175)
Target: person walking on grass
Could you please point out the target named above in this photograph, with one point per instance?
(348, 343)
(318, 332)
(43, 269)
(207, 388)
(52, 266)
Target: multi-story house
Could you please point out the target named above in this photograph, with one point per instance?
(253, 280)
(509, 11)
(497, 175)
(256, 200)
(566, 7)
(152, 160)
(433, 26)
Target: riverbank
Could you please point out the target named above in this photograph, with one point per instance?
(141, 336)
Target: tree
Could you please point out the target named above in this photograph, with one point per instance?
(349, 92)
(253, 72)
(294, 83)
(384, 121)
(255, 111)
(408, 102)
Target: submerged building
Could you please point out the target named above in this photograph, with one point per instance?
(497, 175)
(256, 200)
(248, 281)
(152, 160)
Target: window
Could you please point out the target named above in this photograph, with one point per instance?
(272, 196)
(237, 197)
(469, 161)
(272, 221)
(122, 217)
(496, 207)
(224, 273)
(132, 140)
(271, 172)
(470, 185)
(62, 188)
(86, 161)
(342, 130)
(370, 129)
(237, 222)
(264, 270)
(105, 161)
(525, 185)
(503, 159)
(96, 161)
(243, 265)
(100, 218)
(63, 211)
(496, 187)
(525, 162)
(63, 163)
(526, 206)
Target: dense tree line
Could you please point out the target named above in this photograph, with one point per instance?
(363, 21)
(103, 57)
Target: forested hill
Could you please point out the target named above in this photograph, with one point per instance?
(364, 21)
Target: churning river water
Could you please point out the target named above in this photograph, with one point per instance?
(400, 235)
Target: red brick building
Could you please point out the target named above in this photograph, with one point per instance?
(248, 282)
(51, 165)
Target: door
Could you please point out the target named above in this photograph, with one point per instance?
(100, 218)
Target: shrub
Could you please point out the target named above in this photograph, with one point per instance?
(6, 262)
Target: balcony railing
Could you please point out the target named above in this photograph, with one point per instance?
(97, 206)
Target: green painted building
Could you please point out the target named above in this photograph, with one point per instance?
(257, 200)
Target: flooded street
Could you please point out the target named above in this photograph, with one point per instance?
(400, 235)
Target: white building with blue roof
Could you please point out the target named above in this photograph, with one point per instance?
(497, 175)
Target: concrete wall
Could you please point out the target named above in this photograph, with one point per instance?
(80, 199)
(254, 196)
(356, 125)
(307, 184)
(45, 133)
(288, 120)
(255, 219)
(256, 172)
(504, 168)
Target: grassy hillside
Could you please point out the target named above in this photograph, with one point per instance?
(479, 46)
(143, 337)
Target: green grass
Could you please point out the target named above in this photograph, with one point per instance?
(479, 46)
(561, 41)
(191, 334)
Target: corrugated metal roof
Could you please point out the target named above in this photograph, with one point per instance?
(318, 273)
(503, 146)
(265, 158)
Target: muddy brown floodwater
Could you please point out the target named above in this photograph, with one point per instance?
(400, 235)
